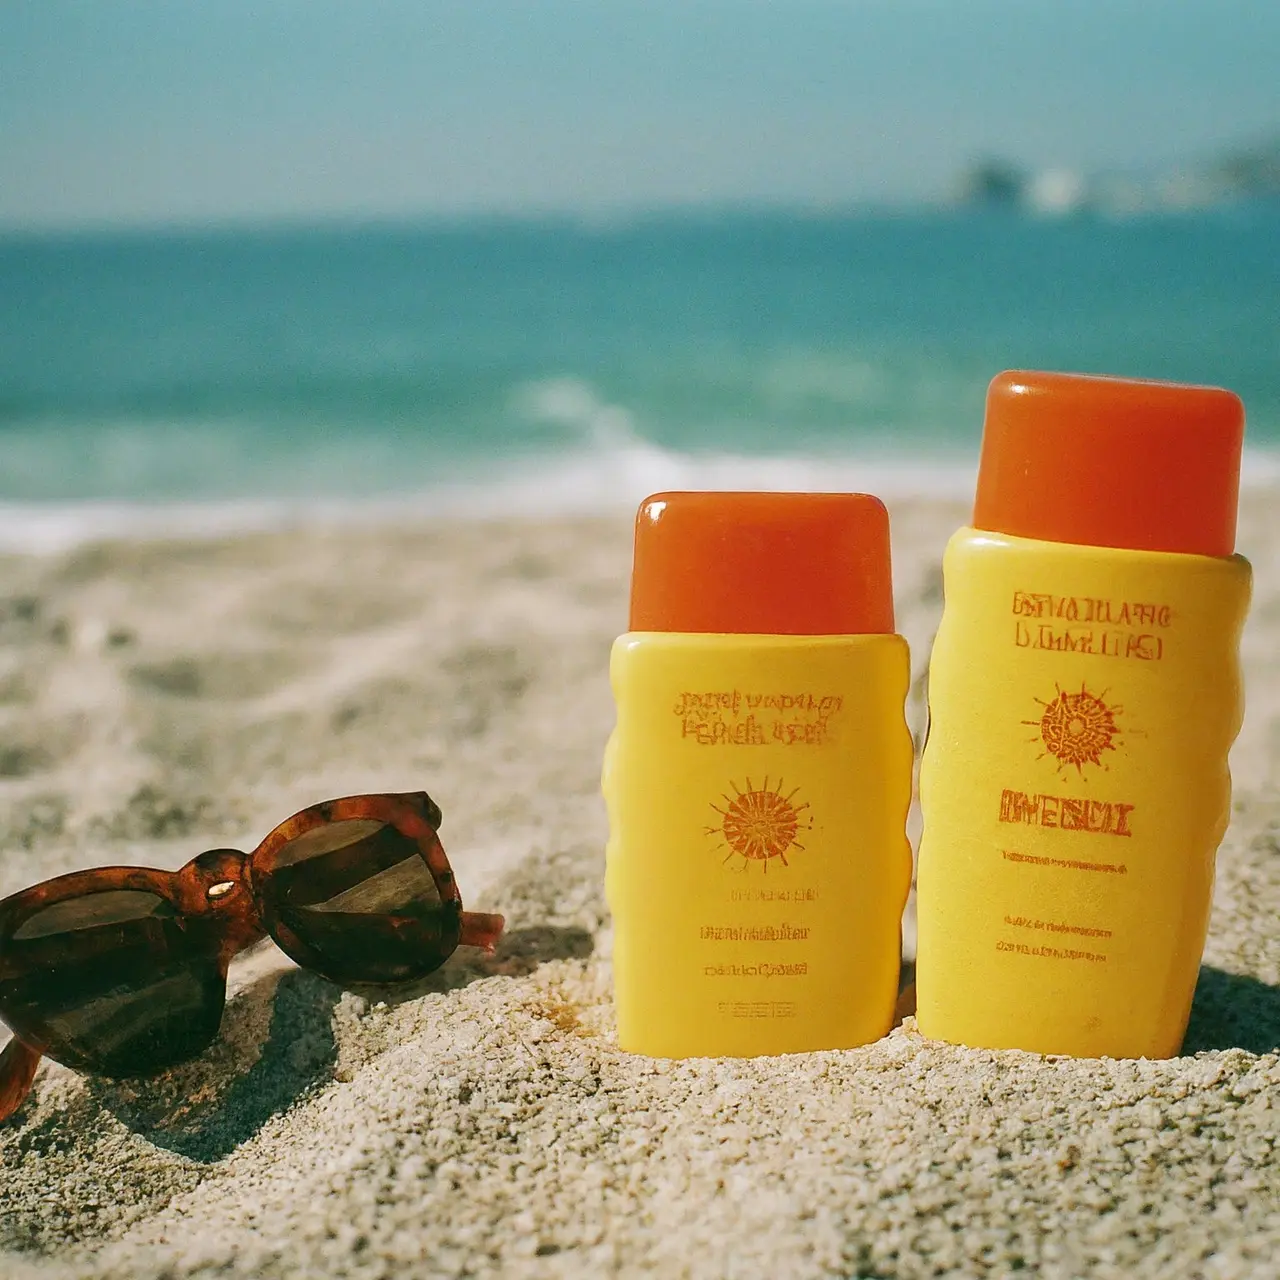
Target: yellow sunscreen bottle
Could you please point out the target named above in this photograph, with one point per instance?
(1084, 689)
(758, 778)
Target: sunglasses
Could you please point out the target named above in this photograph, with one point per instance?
(122, 971)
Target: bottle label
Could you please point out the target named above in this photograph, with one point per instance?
(1074, 790)
(757, 860)
(752, 718)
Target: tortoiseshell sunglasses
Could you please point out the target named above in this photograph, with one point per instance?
(122, 971)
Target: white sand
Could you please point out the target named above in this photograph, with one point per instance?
(158, 699)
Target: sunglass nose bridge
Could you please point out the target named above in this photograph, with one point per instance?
(216, 872)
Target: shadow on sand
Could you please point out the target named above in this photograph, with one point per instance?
(206, 1108)
(1229, 1011)
(1233, 1012)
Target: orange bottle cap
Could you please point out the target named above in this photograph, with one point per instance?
(762, 564)
(1111, 462)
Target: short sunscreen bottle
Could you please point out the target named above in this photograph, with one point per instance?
(758, 778)
(1084, 689)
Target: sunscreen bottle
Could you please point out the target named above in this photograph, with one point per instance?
(1084, 689)
(758, 777)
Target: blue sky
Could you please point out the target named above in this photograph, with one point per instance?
(136, 111)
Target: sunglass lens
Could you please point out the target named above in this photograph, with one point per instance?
(112, 983)
(356, 901)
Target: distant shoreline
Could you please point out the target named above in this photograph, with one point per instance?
(608, 220)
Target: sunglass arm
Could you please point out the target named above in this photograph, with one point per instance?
(18, 1063)
(479, 929)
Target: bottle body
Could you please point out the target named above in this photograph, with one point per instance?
(757, 867)
(1074, 789)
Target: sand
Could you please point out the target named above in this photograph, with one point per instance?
(158, 698)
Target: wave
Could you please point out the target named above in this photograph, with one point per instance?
(600, 464)
(589, 482)
(576, 485)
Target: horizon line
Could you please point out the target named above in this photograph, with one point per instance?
(603, 219)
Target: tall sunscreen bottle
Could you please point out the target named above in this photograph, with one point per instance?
(1084, 690)
(758, 778)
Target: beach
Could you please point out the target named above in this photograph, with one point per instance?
(163, 696)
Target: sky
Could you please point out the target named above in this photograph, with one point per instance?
(142, 112)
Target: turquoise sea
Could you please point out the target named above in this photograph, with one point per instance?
(560, 365)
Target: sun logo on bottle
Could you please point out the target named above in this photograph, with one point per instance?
(1076, 728)
(759, 824)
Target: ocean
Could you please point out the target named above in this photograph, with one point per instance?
(233, 377)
